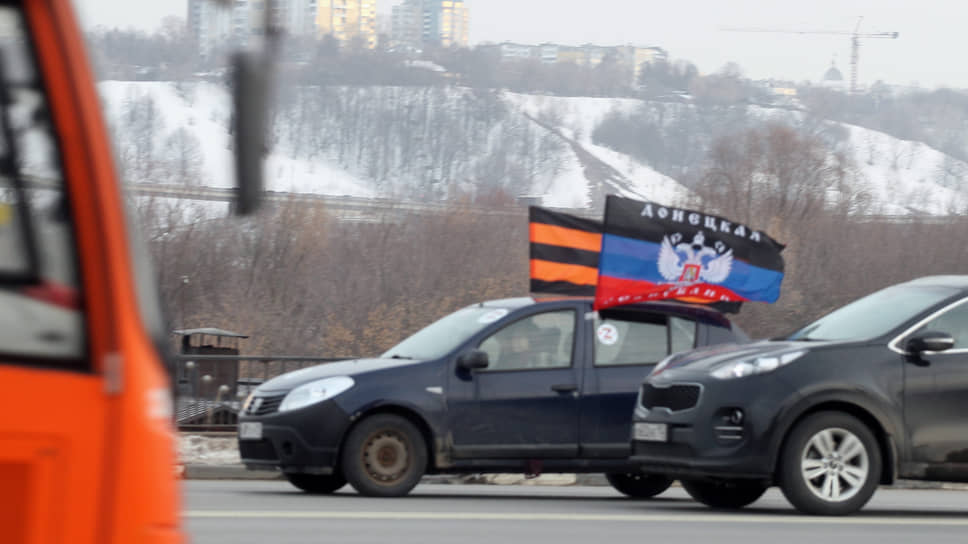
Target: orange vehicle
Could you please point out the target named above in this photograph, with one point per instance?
(87, 449)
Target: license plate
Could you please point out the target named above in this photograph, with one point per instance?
(250, 430)
(651, 432)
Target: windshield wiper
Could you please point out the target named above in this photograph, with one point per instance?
(398, 356)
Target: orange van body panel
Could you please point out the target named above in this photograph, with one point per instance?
(91, 454)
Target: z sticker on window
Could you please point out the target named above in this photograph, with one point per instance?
(492, 316)
(607, 334)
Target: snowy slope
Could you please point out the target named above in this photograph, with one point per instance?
(205, 109)
(900, 177)
(576, 119)
(908, 177)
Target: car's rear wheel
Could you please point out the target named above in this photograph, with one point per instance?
(830, 465)
(318, 484)
(637, 484)
(384, 456)
(729, 493)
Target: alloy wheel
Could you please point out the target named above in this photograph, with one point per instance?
(835, 464)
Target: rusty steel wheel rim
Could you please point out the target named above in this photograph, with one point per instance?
(386, 456)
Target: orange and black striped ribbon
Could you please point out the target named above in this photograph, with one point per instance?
(564, 252)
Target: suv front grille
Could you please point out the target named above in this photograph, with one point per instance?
(675, 397)
(262, 405)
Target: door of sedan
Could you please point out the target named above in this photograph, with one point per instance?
(524, 405)
(626, 345)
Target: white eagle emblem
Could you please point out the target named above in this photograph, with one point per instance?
(688, 263)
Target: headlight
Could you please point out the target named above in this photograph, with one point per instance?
(313, 392)
(759, 365)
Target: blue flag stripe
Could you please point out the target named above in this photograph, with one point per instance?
(628, 258)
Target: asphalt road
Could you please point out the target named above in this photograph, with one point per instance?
(270, 512)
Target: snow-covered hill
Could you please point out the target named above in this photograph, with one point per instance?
(439, 143)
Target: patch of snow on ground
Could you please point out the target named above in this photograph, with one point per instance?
(569, 189)
(646, 183)
(207, 450)
(577, 117)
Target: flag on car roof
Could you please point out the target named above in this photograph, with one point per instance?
(564, 252)
(653, 252)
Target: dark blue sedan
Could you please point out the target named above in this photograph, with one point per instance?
(515, 385)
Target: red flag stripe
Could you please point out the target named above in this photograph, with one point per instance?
(616, 291)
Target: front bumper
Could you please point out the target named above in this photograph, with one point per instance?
(707, 441)
(305, 440)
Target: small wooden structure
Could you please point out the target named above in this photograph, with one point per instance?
(208, 379)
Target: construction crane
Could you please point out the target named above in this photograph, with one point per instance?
(855, 37)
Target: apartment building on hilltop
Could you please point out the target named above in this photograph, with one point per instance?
(218, 25)
(347, 20)
(418, 23)
(210, 24)
(633, 57)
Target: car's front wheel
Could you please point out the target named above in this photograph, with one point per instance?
(384, 456)
(830, 465)
(318, 484)
(727, 493)
(638, 485)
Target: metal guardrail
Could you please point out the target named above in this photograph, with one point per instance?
(363, 209)
(340, 205)
(210, 389)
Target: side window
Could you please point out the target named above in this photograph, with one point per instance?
(682, 334)
(953, 322)
(40, 322)
(542, 340)
(620, 342)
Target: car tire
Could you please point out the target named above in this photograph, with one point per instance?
(730, 493)
(637, 484)
(384, 456)
(316, 484)
(843, 458)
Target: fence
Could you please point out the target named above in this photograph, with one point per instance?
(210, 389)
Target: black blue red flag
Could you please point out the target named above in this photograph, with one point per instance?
(653, 252)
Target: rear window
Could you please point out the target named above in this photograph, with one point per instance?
(641, 339)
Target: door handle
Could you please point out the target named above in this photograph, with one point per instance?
(565, 388)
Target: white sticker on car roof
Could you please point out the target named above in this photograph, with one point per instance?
(492, 316)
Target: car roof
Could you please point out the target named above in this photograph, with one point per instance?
(696, 311)
(957, 282)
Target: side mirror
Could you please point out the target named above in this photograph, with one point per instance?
(473, 360)
(929, 341)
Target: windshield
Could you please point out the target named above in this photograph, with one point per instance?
(445, 334)
(875, 314)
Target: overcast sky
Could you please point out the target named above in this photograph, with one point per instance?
(932, 32)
